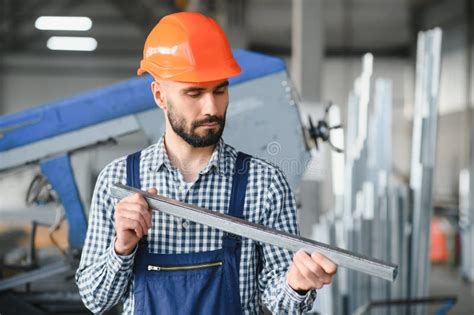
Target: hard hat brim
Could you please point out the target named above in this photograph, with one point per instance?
(231, 69)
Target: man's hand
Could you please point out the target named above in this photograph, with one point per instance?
(310, 272)
(132, 221)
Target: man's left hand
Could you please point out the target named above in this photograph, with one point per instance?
(309, 272)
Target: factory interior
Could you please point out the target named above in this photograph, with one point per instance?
(366, 106)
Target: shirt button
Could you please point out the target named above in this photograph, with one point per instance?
(181, 188)
(185, 224)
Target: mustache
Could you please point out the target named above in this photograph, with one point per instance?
(209, 120)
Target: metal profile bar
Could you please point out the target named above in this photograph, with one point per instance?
(423, 159)
(261, 233)
(35, 275)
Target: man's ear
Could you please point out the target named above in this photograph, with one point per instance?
(159, 94)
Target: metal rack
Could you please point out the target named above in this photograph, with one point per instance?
(377, 214)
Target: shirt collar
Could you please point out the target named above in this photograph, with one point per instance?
(217, 161)
(160, 157)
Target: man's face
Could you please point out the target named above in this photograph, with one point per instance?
(196, 111)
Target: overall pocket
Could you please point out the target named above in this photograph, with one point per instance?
(155, 268)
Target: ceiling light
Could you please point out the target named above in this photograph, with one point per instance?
(63, 23)
(72, 43)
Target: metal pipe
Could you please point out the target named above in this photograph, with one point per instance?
(35, 275)
(261, 233)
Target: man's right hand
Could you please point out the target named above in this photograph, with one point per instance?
(132, 221)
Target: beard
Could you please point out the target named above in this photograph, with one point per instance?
(210, 137)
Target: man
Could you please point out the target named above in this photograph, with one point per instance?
(157, 263)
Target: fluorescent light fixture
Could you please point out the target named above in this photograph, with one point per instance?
(71, 43)
(63, 23)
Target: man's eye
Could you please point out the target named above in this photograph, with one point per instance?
(194, 95)
(219, 91)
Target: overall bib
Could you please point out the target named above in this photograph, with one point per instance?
(192, 283)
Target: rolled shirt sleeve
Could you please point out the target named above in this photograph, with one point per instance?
(280, 213)
(103, 277)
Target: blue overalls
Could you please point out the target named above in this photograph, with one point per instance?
(193, 283)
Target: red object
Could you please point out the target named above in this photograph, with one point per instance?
(439, 242)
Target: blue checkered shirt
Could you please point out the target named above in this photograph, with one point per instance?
(105, 278)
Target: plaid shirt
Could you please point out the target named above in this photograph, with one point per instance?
(105, 278)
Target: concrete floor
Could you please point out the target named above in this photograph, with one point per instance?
(445, 281)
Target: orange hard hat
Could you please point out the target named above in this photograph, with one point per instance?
(188, 47)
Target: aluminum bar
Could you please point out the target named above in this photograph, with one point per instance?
(35, 275)
(261, 233)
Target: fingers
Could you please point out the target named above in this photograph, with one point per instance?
(139, 197)
(153, 191)
(133, 219)
(132, 214)
(328, 266)
(316, 270)
(142, 212)
(313, 274)
(137, 202)
(133, 225)
(145, 223)
(136, 198)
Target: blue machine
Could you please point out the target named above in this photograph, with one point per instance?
(262, 103)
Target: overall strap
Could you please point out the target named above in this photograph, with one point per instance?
(133, 170)
(237, 202)
(133, 180)
(239, 185)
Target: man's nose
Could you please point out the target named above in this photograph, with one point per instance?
(209, 105)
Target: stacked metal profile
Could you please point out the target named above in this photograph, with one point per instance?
(466, 222)
(423, 159)
(375, 214)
